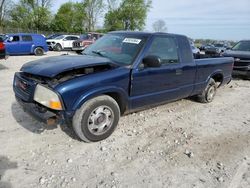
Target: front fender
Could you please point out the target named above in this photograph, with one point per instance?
(100, 91)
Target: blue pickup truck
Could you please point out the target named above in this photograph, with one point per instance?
(121, 73)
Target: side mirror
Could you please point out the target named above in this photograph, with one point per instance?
(151, 61)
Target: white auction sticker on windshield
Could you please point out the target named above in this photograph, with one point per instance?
(132, 40)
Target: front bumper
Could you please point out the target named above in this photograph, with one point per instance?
(39, 113)
(242, 71)
(78, 48)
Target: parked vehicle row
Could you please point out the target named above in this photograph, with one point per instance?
(27, 43)
(72, 42)
(214, 49)
(120, 73)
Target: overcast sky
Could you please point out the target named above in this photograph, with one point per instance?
(215, 19)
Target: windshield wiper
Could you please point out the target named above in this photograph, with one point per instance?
(100, 53)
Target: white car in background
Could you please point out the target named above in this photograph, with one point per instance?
(62, 42)
(195, 50)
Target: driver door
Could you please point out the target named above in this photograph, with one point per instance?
(152, 85)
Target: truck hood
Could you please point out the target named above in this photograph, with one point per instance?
(237, 54)
(52, 66)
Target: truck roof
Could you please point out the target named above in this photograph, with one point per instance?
(145, 33)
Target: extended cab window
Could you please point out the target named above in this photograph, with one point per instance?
(165, 48)
(27, 38)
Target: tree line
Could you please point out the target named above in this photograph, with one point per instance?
(74, 17)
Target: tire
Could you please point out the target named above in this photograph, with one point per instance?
(79, 52)
(208, 94)
(58, 47)
(96, 119)
(39, 51)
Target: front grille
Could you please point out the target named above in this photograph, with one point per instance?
(23, 87)
(77, 44)
(241, 62)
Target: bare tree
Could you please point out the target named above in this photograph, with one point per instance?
(94, 9)
(113, 4)
(2, 12)
(160, 26)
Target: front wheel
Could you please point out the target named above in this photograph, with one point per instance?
(58, 47)
(96, 119)
(208, 94)
(79, 51)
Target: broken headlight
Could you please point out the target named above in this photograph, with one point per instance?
(47, 97)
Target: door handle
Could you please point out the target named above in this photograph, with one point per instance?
(178, 71)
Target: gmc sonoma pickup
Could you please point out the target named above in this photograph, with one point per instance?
(120, 73)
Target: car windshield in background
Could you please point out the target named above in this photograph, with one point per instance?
(242, 46)
(59, 37)
(84, 37)
(3, 37)
(120, 48)
(219, 45)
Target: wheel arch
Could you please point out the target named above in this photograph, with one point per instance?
(217, 76)
(118, 94)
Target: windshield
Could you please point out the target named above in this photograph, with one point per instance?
(84, 37)
(59, 37)
(242, 46)
(3, 37)
(120, 48)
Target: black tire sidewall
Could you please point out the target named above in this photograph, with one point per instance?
(39, 51)
(82, 123)
(58, 47)
(211, 83)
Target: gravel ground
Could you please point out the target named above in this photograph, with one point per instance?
(180, 144)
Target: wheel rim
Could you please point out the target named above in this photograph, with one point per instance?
(58, 47)
(210, 93)
(100, 120)
(39, 51)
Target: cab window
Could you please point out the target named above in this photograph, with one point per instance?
(165, 48)
(16, 39)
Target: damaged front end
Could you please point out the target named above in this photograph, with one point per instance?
(37, 96)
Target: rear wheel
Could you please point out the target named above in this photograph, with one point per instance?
(208, 94)
(39, 51)
(96, 119)
(58, 47)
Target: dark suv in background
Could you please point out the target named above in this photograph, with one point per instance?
(241, 54)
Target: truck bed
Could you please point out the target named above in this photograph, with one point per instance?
(206, 66)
